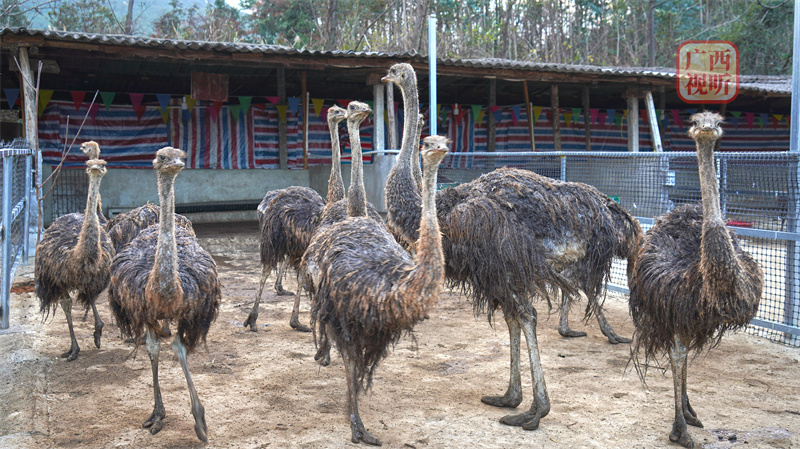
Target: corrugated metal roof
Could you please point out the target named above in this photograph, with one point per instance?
(761, 84)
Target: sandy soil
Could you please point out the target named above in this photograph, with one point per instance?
(265, 390)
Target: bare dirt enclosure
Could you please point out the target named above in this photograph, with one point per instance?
(264, 389)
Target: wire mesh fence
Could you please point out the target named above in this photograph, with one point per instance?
(16, 215)
(759, 196)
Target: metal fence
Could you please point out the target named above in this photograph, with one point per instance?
(17, 212)
(759, 195)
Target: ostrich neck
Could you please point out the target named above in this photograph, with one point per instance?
(88, 245)
(429, 254)
(357, 195)
(165, 271)
(335, 182)
(410, 125)
(709, 192)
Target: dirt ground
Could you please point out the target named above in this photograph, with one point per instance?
(265, 390)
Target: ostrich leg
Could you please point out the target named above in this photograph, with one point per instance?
(156, 420)
(563, 324)
(279, 280)
(98, 324)
(513, 396)
(294, 322)
(358, 432)
(323, 355)
(677, 358)
(541, 402)
(198, 411)
(253, 316)
(72, 354)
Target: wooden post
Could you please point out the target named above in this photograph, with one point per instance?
(587, 117)
(283, 151)
(392, 125)
(304, 88)
(554, 113)
(633, 123)
(491, 131)
(654, 123)
(30, 103)
(531, 125)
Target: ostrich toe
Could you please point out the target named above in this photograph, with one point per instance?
(323, 356)
(281, 292)
(569, 333)
(295, 323)
(251, 321)
(360, 434)
(527, 420)
(614, 339)
(681, 436)
(155, 422)
(508, 400)
(200, 427)
(72, 354)
(690, 415)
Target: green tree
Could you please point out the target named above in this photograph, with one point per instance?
(90, 16)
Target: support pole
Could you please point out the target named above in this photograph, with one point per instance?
(432, 72)
(529, 107)
(587, 117)
(30, 107)
(791, 309)
(283, 150)
(304, 88)
(491, 131)
(378, 143)
(633, 123)
(653, 119)
(556, 114)
(8, 176)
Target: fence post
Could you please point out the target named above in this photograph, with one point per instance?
(8, 176)
(26, 223)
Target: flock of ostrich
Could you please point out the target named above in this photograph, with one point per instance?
(510, 238)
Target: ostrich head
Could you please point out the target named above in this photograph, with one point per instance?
(401, 74)
(357, 111)
(336, 114)
(169, 160)
(95, 167)
(91, 149)
(421, 121)
(705, 127)
(434, 149)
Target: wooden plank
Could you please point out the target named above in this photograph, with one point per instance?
(555, 114)
(633, 124)
(491, 131)
(587, 117)
(653, 119)
(22, 41)
(530, 115)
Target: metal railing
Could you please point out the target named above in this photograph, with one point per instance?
(17, 212)
(759, 195)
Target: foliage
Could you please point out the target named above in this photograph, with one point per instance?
(219, 22)
(90, 16)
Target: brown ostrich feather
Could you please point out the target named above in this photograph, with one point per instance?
(289, 218)
(124, 227)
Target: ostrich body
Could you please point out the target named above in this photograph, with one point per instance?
(124, 227)
(511, 236)
(288, 218)
(74, 255)
(692, 281)
(163, 274)
(367, 290)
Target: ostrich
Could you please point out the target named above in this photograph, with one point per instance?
(367, 290)
(74, 255)
(692, 281)
(124, 227)
(511, 236)
(163, 274)
(288, 218)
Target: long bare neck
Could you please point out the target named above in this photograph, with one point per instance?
(429, 256)
(709, 191)
(164, 276)
(335, 182)
(410, 125)
(88, 244)
(357, 195)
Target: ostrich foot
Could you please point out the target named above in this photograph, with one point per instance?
(98, 332)
(155, 422)
(323, 356)
(569, 333)
(691, 417)
(251, 321)
(527, 420)
(508, 400)
(681, 437)
(200, 427)
(295, 323)
(72, 354)
(360, 434)
(281, 292)
(615, 339)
